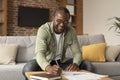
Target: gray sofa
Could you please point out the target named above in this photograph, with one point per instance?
(111, 68)
(26, 52)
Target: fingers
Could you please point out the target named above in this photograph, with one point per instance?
(68, 68)
(56, 70)
(72, 67)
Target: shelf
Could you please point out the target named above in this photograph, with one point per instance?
(1, 4)
(75, 7)
(0, 30)
(1, 10)
(1, 23)
(71, 6)
(70, 2)
(3, 17)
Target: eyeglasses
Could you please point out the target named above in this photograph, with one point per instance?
(59, 21)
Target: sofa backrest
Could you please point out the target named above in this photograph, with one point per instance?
(26, 46)
(92, 39)
(87, 40)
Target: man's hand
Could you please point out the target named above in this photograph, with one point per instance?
(72, 67)
(55, 69)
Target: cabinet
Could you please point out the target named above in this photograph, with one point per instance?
(3, 17)
(76, 10)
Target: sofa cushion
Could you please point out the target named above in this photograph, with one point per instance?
(83, 40)
(92, 39)
(118, 58)
(12, 72)
(94, 52)
(112, 52)
(26, 46)
(98, 38)
(107, 68)
(8, 53)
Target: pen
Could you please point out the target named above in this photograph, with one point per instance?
(57, 63)
(59, 67)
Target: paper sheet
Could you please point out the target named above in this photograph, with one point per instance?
(82, 76)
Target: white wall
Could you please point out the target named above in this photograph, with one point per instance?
(95, 18)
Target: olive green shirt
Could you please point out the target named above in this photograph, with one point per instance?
(46, 45)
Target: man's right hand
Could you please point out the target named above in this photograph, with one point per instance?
(55, 69)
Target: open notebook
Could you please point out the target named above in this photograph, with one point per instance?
(82, 75)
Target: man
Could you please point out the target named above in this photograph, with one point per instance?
(53, 38)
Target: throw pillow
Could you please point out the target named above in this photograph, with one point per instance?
(8, 53)
(94, 52)
(118, 58)
(112, 52)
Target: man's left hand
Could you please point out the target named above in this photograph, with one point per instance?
(72, 67)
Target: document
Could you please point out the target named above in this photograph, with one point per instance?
(82, 75)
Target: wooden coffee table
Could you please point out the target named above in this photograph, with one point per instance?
(63, 78)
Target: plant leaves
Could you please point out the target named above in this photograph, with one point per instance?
(117, 18)
(115, 24)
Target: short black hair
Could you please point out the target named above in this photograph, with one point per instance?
(60, 8)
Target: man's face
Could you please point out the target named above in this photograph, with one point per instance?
(60, 22)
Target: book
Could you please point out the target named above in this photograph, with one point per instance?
(44, 76)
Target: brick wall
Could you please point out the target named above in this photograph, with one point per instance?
(13, 28)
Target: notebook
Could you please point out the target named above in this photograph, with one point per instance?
(44, 76)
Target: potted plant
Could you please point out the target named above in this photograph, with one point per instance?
(115, 24)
